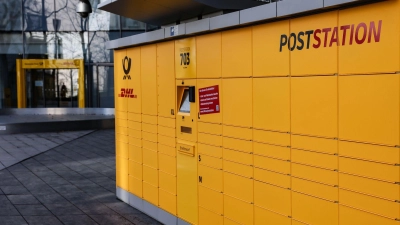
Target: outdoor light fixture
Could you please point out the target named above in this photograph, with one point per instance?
(84, 8)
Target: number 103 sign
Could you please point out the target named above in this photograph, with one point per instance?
(185, 58)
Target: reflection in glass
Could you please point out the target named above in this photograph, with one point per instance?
(10, 15)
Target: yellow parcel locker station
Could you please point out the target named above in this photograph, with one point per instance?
(293, 121)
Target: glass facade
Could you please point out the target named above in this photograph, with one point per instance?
(51, 29)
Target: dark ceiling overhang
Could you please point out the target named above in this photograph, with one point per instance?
(161, 12)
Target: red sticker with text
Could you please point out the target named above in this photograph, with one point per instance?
(209, 100)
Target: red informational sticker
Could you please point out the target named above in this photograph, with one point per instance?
(209, 100)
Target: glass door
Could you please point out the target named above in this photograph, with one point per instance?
(102, 86)
(52, 88)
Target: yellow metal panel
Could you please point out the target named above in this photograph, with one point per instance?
(212, 117)
(273, 198)
(150, 119)
(230, 222)
(149, 79)
(372, 187)
(167, 131)
(150, 175)
(135, 141)
(135, 134)
(135, 153)
(167, 182)
(210, 161)
(377, 47)
(317, 55)
(296, 222)
(211, 200)
(122, 150)
(315, 189)
(314, 210)
(244, 191)
(237, 107)
(209, 55)
(152, 137)
(122, 122)
(121, 137)
(209, 139)
(321, 160)
(207, 217)
(278, 179)
(236, 144)
(150, 158)
(150, 193)
(211, 178)
(239, 157)
(369, 152)
(375, 205)
(209, 128)
(187, 179)
(168, 141)
(239, 169)
(150, 145)
(135, 117)
(378, 171)
(267, 59)
(323, 145)
(166, 122)
(266, 217)
(121, 115)
(210, 150)
(314, 106)
(134, 125)
(121, 103)
(166, 79)
(351, 216)
(237, 132)
(237, 210)
(151, 128)
(167, 201)
(329, 177)
(272, 151)
(133, 81)
(277, 165)
(237, 53)
(185, 58)
(122, 173)
(122, 131)
(369, 108)
(271, 103)
(168, 150)
(275, 138)
(135, 170)
(167, 163)
(136, 186)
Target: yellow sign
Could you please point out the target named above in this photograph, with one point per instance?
(51, 63)
(185, 58)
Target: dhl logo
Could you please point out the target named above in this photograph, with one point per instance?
(127, 93)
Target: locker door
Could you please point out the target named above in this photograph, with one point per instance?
(166, 79)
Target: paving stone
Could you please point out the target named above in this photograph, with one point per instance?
(51, 199)
(14, 190)
(64, 209)
(33, 210)
(12, 220)
(110, 219)
(42, 220)
(77, 220)
(8, 210)
(23, 199)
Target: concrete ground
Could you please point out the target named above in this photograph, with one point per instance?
(72, 183)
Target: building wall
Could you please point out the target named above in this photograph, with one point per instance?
(306, 132)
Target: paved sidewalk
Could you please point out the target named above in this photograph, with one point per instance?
(17, 147)
(73, 183)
